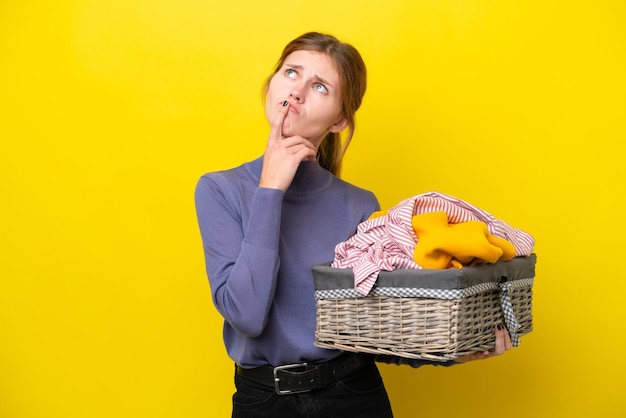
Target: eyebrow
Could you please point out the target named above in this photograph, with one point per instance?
(317, 77)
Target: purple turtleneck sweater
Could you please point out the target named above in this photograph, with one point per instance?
(259, 247)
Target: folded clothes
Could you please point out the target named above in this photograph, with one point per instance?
(430, 230)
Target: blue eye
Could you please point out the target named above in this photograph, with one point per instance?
(290, 72)
(321, 88)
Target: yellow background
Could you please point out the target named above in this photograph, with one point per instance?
(111, 109)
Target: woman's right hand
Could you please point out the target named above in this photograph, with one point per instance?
(283, 155)
(502, 345)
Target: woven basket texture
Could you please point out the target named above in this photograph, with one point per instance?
(418, 328)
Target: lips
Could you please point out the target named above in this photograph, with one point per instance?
(293, 108)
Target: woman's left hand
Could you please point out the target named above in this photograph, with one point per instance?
(503, 343)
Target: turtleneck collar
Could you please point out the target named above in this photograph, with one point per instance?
(310, 177)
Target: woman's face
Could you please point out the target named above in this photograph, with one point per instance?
(309, 81)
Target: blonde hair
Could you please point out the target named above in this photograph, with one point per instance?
(353, 76)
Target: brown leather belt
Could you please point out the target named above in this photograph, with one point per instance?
(303, 377)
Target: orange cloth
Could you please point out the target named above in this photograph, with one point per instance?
(378, 214)
(443, 245)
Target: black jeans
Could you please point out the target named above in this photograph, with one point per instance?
(360, 395)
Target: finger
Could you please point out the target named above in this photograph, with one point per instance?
(301, 147)
(479, 355)
(500, 347)
(508, 344)
(276, 130)
(297, 142)
(506, 338)
(303, 151)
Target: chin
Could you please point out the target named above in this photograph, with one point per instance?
(288, 130)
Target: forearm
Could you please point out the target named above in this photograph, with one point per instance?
(241, 255)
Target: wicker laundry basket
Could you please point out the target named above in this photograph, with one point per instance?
(435, 315)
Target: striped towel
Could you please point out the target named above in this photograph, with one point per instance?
(388, 242)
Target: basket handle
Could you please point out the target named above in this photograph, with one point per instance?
(509, 316)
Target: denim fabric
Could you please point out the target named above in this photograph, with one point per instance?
(360, 395)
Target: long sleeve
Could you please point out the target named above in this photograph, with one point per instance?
(241, 255)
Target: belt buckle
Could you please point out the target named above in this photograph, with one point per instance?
(277, 379)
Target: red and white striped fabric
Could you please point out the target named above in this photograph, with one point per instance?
(387, 242)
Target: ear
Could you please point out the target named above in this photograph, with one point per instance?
(339, 126)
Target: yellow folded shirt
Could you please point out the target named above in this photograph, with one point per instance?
(443, 245)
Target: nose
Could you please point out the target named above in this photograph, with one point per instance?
(296, 94)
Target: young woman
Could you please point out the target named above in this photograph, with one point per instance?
(265, 223)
